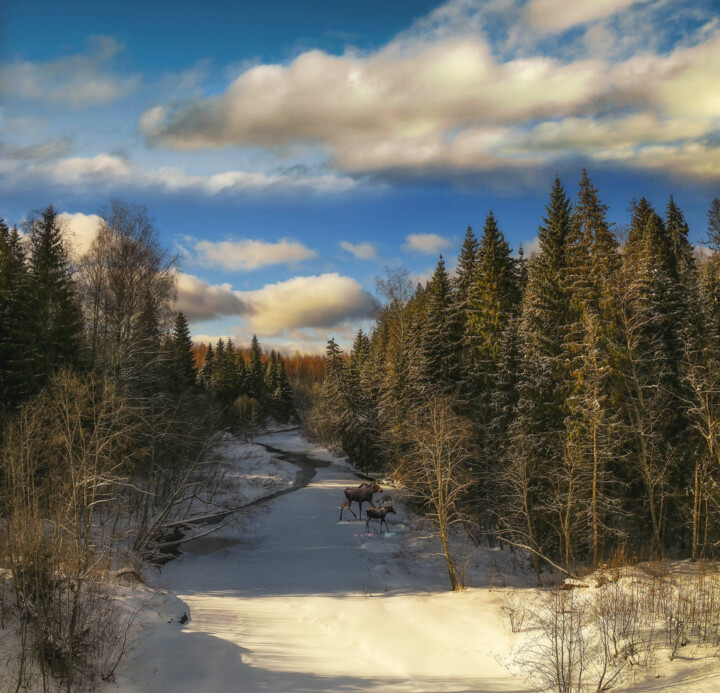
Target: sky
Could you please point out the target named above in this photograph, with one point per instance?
(290, 152)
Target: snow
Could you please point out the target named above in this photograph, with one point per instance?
(252, 472)
(292, 599)
(298, 601)
(290, 440)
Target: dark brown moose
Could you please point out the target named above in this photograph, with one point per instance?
(378, 514)
(361, 494)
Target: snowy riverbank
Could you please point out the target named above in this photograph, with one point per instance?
(298, 601)
(293, 600)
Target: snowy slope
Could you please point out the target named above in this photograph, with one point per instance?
(298, 601)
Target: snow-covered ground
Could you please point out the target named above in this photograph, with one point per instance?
(252, 471)
(294, 600)
(299, 601)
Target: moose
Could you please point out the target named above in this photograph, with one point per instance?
(379, 514)
(361, 494)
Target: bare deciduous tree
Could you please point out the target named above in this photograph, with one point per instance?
(436, 471)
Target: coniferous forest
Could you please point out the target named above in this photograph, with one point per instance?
(579, 388)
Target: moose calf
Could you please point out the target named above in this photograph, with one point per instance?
(378, 514)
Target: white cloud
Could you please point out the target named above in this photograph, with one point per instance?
(361, 251)
(76, 81)
(82, 229)
(558, 15)
(317, 301)
(389, 95)
(443, 97)
(247, 254)
(531, 248)
(202, 301)
(114, 172)
(323, 301)
(429, 243)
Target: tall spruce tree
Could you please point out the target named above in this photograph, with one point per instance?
(591, 346)
(183, 353)
(17, 367)
(710, 274)
(255, 377)
(56, 317)
(441, 340)
(206, 376)
(493, 298)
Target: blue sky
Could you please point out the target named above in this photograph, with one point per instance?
(291, 151)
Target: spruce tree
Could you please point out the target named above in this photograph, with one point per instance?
(678, 232)
(17, 343)
(240, 373)
(536, 433)
(255, 371)
(183, 352)
(284, 394)
(206, 375)
(493, 297)
(441, 343)
(56, 317)
(710, 274)
(591, 345)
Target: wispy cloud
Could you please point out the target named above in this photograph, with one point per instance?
(558, 15)
(39, 151)
(428, 243)
(76, 81)
(361, 251)
(114, 172)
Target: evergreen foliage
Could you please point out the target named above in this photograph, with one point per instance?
(183, 355)
(584, 375)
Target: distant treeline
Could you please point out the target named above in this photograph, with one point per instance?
(305, 372)
(588, 375)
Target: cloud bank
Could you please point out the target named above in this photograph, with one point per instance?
(444, 96)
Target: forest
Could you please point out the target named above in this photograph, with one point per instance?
(567, 403)
(105, 425)
(564, 406)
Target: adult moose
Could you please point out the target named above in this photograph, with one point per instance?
(361, 494)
